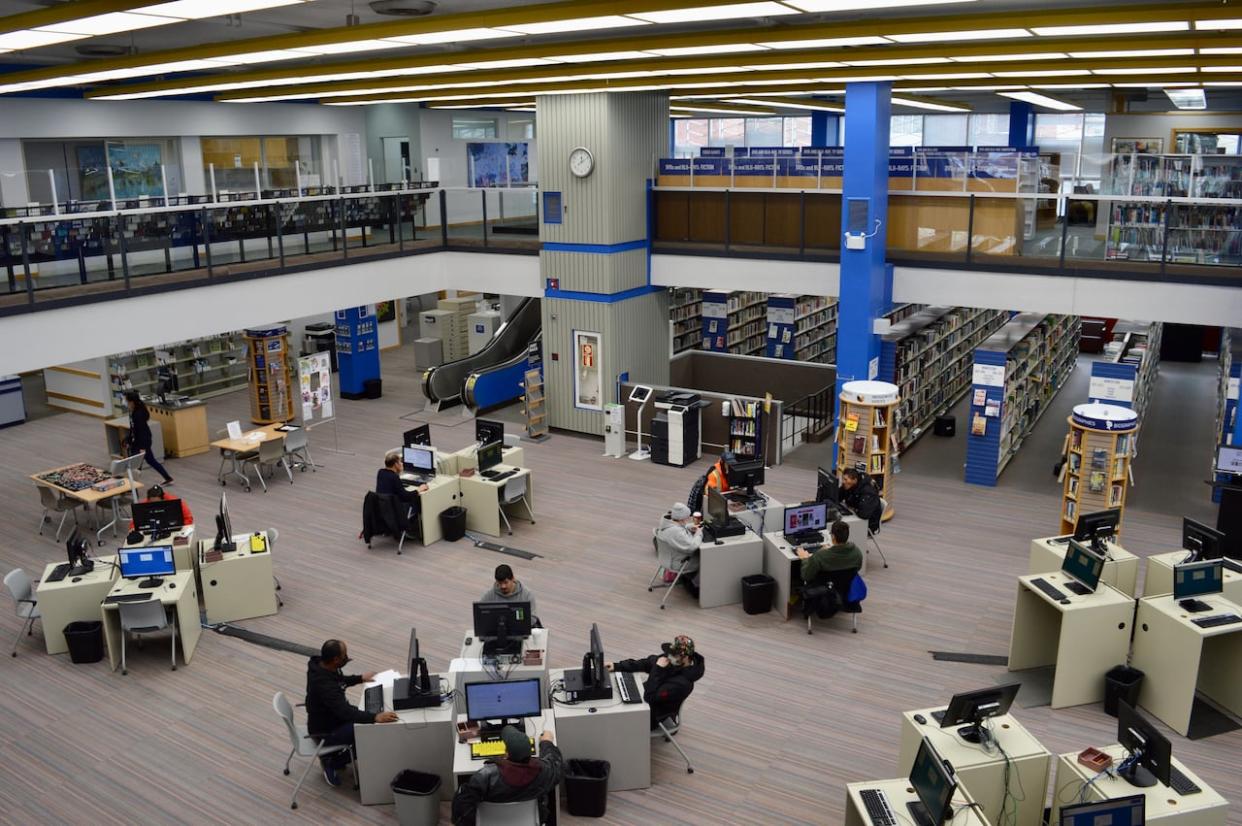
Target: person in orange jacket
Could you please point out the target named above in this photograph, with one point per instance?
(156, 494)
(716, 477)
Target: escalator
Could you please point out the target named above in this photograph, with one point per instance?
(493, 375)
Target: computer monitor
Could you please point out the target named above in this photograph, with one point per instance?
(747, 473)
(151, 562)
(508, 700)
(76, 548)
(487, 431)
(1151, 754)
(419, 678)
(502, 626)
(158, 517)
(1097, 526)
(224, 529)
(933, 784)
(1202, 542)
(592, 682)
(490, 455)
(420, 459)
(1195, 579)
(970, 708)
(827, 487)
(803, 518)
(1083, 564)
(1120, 811)
(717, 508)
(420, 435)
(1229, 460)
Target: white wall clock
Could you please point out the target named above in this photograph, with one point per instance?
(581, 161)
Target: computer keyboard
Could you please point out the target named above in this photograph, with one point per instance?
(1078, 588)
(127, 597)
(1182, 784)
(878, 810)
(373, 699)
(500, 477)
(629, 688)
(1048, 588)
(58, 573)
(1216, 619)
(807, 537)
(489, 474)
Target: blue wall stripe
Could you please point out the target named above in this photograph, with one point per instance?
(596, 249)
(601, 298)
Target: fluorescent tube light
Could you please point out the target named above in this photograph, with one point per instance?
(32, 39)
(1187, 98)
(1073, 86)
(515, 63)
(784, 104)
(1046, 73)
(1152, 84)
(859, 5)
(266, 56)
(1133, 53)
(736, 112)
(1217, 70)
(578, 24)
(1001, 58)
(897, 61)
(598, 56)
(111, 23)
(1112, 28)
(197, 9)
(453, 36)
(1147, 70)
(724, 48)
(350, 46)
(949, 76)
(925, 104)
(826, 42)
(780, 67)
(733, 11)
(1222, 50)
(969, 34)
(1042, 100)
(1219, 25)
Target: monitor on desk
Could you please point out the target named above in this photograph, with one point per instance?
(1196, 579)
(747, 473)
(224, 528)
(420, 435)
(77, 549)
(148, 564)
(487, 431)
(970, 708)
(805, 518)
(717, 508)
(158, 517)
(508, 700)
(421, 459)
(1151, 754)
(502, 626)
(1097, 526)
(827, 488)
(1202, 542)
(1083, 564)
(1229, 460)
(490, 455)
(1120, 811)
(592, 682)
(933, 784)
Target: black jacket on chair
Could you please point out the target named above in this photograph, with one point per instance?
(827, 594)
(384, 515)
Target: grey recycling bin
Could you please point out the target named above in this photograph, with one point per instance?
(586, 787)
(417, 798)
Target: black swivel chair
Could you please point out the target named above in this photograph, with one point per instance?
(670, 725)
(383, 514)
(834, 586)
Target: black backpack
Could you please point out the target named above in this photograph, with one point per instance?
(694, 501)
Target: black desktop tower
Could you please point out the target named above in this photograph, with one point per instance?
(577, 689)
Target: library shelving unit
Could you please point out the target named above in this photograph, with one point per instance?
(1016, 372)
(1098, 451)
(685, 312)
(927, 354)
(745, 429)
(1227, 394)
(815, 329)
(199, 368)
(535, 405)
(865, 433)
(271, 375)
(1126, 373)
(734, 321)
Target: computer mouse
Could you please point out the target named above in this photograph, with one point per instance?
(469, 640)
(1065, 602)
(719, 541)
(920, 719)
(172, 585)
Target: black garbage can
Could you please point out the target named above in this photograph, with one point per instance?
(373, 388)
(453, 523)
(945, 425)
(586, 787)
(757, 593)
(85, 641)
(1121, 683)
(416, 796)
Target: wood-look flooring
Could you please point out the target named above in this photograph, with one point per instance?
(778, 725)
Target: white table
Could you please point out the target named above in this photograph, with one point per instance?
(608, 730)
(1120, 567)
(422, 740)
(469, 666)
(1159, 579)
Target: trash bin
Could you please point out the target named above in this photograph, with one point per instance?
(417, 798)
(453, 523)
(1121, 683)
(945, 425)
(586, 787)
(373, 388)
(85, 641)
(757, 593)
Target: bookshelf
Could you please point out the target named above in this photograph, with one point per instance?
(199, 368)
(1227, 394)
(1128, 370)
(1098, 451)
(815, 329)
(535, 405)
(734, 321)
(271, 375)
(685, 308)
(1016, 372)
(928, 355)
(745, 429)
(865, 433)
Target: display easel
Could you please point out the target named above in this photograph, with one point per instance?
(1096, 475)
(641, 394)
(865, 434)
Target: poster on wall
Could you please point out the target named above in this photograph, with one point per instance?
(135, 169)
(496, 163)
(1138, 146)
(315, 386)
(385, 311)
(588, 376)
(92, 172)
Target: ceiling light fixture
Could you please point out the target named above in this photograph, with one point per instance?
(861, 5)
(949, 76)
(784, 104)
(598, 57)
(452, 36)
(1046, 73)
(723, 48)
(1147, 70)
(733, 11)
(826, 42)
(968, 34)
(111, 23)
(1001, 58)
(577, 24)
(1219, 25)
(898, 61)
(1187, 98)
(1042, 100)
(1112, 28)
(1133, 53)
(198, 9)
(925, 104)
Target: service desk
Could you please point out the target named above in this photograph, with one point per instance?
(178, 593)
(608, 730)
(1083, 637)
(781, 562)
(240, 585)
(1164, 806)
(116, 432)
(184, 425)
(469, 667)
(73, 599)
(723, 563)
(422, 740)
(981, 772)
(183, 546)
(1177, 657)
(443, 492)
(1120, 566)
(899, 792)
(1159, 579)
(481, 499)
(464, 765)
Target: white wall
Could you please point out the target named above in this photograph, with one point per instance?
(706, 273)
(436, 141)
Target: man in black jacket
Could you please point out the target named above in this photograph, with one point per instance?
(670, 677)
(329, 714)
(515, 777)
(388, 480)
(860, 495)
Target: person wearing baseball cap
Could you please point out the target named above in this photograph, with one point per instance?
(515, 777)
(679, 532)
(670, 676)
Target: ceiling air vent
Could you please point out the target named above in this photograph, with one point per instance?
(102, 50)
(403, 8)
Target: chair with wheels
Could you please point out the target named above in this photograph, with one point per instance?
(520, 813)
(839, 590)
(271, 452)
(53, 502)
(142, 618)
(671, 561)
(297, 449)
(272, 536)
(303, 745)
(512, 492)
(25, 605)
(669, 726)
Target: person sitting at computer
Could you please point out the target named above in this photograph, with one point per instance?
(862, 497)
(513, 778)
(329, 714)
(508, 589)
(683, 536)
(841, 555)
(670, 676)
(388, 480)
(156, 494)
(717, 478)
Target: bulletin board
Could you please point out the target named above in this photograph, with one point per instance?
(315, 385)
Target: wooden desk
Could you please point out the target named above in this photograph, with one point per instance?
(185, 427)
(93, 498)
(182, 542)
(1159, 579)
(1120, 569)
(481, 499)
(248, 443)
(178, 592)
(468, 457)
(73, 599)
(1165, 807)
(240, 585)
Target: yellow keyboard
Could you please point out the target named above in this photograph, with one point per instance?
(491, 748)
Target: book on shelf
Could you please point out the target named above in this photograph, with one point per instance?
(1099, 458)
(877, 464)
(1071, 511)
(860, 443)
(851, 422)
(1115, 495)
(875, 443)
(879, 418)
(978, 425)
(1076, 440)
(1096, 482)
(1073, 486)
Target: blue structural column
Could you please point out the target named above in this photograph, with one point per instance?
(1021, 124)
(866, 280)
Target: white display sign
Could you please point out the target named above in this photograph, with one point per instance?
(873, 368)
(988, 375)
(315, 384)
(1233, 388)
(1105, 389)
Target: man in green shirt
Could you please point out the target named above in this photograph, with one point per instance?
(841, 555)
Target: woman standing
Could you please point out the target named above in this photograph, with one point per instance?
(140, 433)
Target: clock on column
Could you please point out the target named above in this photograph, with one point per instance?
(581, 162)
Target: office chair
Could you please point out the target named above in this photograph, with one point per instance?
(122, 469)
(520, 813)
(670, 560)
(53, 502)
(669, 726)
(871, 534)
(272, 536)
(512, 492)
(271, 452)
(24, 604)
(304, 745)
(297, 450)
(139, 618)
(841, 582)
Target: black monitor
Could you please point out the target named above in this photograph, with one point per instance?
(745, 473)
(420, 435)
(970, 708)
(592, 682)
(827, 487)
(1120, 811)
(158, 517)
(506, 700)
(1083, 564)
(419, 459)
(420, 680)
(224, 529)
(1196, 579)
(147, 563)
(502, 626)
(1202, 542)
(490, 455)
(1097, 526)
(78, 563)
(1151, 754)
(717, 508)
(934, 785)
(487, 431)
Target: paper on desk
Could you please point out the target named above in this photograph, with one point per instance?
(465, 664)
(385, 677)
